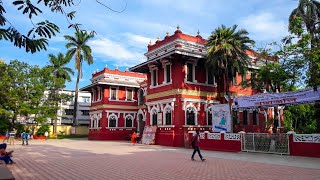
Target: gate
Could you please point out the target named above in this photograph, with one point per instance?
(266, 143)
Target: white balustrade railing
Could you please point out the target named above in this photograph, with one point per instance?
(232, 136)
(307, 138)
(215, 136)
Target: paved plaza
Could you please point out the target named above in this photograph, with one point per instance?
(82, 159)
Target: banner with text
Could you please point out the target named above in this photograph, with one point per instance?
(221, 118)
(149, 134)
(277, 99)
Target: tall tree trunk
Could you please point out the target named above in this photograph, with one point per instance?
(75, 105)
(227, 83)
(55, 120)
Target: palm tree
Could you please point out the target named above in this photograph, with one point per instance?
(58, 66)
(226, 54)
(306, 17)
(77, 47)
(58, 69)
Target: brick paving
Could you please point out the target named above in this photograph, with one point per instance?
(82, 159)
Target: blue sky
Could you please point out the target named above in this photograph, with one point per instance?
(122, 39)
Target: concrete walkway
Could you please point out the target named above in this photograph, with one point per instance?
(83, 159)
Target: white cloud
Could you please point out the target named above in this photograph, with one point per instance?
(264, 26)
(137, 38)
(112, 50)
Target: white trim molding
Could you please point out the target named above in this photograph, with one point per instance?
(191, 108)
(116, 118)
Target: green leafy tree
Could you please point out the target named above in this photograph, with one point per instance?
(36, 38)
(78, 47)
(304, 23)
(59, 75)
(227, 55)
(301, 118)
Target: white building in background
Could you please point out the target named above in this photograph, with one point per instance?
(65, 113)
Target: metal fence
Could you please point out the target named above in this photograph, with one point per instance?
(264, 142)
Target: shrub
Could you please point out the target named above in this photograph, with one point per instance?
(43, 129)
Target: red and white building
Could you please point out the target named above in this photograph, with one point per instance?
(115, 104)
(172, 90)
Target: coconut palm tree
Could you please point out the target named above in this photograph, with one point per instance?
(226, 54)
(77, 47)
(57, 68)
(306, 17)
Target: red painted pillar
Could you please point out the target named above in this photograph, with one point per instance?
(103, 121)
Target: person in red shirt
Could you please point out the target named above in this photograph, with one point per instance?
(195, 142)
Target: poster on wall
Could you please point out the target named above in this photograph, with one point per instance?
(149, 135)
(221, 118)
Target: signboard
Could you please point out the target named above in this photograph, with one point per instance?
(221, 118)
(149, 134)
(277, 99)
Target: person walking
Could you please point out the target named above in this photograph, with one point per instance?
(46, 134)
(134, 138)
(24, 137)
(7, 136)
(195, 142)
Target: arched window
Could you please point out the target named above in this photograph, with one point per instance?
(168, 115)
(209, 116)
(129, 121)
(140, 97)
(93, 123)
(154, 117)
(113, 120)
(191, 115)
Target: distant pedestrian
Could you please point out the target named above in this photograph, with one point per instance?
(12, 134)
(46, 134)
(134, 138)
(6, 137)
(195, 142)
(24, 137)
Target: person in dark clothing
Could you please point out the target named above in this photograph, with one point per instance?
(195, 142)
(5, 156)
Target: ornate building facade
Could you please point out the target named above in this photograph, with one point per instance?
(174, 91)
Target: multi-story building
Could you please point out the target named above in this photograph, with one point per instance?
(116, 99)
(65, 113)
(179, 94)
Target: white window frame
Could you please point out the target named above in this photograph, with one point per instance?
(165, 78)
(207, 114)
(195, 112)
(154, 72)
(99, 93)
(154, 110)
(165, 110)
(93, 95)
(132, 99)
(193, 72)
(113, 115)
(117, 91)
(125, 120)
(207, 76)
